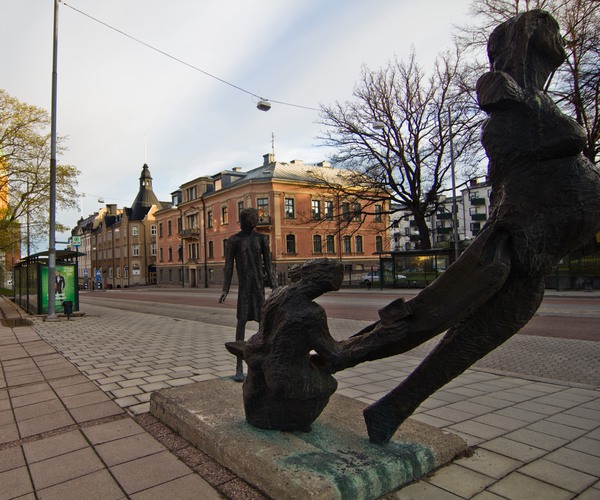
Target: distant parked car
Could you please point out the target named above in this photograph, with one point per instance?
(373, 277)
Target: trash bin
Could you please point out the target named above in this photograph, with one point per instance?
(68, 308)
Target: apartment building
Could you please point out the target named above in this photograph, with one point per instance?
(298, 212)
(472, 210)
(120, 244)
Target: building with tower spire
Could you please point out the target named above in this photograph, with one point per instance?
(120, 244)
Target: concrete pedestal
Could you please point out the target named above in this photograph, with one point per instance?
(335, 460)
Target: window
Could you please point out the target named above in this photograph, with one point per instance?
(153, 249)
(169, 228)
(110, 272)
(474, 210)
(191, 193)
(317, 244)
(161, 254)
(170, 274)
(211, 250)
(136, 250)
(330, 243)
(316, 209)
(473, 195)
(135, 230)
(126, 272)
(209, 218)
(356, 211)
(290, 243)
(224, 216)
(378, 244)
(192, 221)
(118, 272)
(358, 244)
(160, 230)
(346, 244)
(262, 205)
(179, 225)
(289, 208)
(240, 206)
(193, 251)
(378, 212)
(346, 211)
(153, 230)
(170, 254)
(329, 209)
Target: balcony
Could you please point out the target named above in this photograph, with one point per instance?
(477, 201)
(264, 220)
(478, 217)
(444, 230)
(443, 216)
(193, 232)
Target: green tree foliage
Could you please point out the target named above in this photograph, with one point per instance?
(25, 172)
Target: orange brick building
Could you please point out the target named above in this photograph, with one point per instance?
(302, 217)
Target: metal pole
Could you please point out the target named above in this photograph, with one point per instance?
(454, 206)
(52, 215)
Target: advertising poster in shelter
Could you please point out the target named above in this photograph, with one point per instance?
(64, 287)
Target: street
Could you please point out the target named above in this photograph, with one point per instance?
(559, 317)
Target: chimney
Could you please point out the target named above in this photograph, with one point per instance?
(268, 159)
(324, 164)
(297, 162)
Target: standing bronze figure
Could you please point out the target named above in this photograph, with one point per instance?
(249, 252)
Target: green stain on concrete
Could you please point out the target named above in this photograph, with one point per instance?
(361, 470)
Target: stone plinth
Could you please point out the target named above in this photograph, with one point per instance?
(333, 461)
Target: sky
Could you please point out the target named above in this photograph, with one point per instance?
(122, 104)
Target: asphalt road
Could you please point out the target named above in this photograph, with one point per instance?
(558, 317)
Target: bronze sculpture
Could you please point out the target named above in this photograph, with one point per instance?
(249, 252)
(284, 389)
(545, 204)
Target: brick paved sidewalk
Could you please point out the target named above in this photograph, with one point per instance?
(531, 438)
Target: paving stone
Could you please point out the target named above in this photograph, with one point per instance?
(128, 448)
(98, 485)
(489, 463)
(64, 468)
(147, 472)
(460, 480)
(11, 458)
(558, 475)
(513, 449)
(190, 487)
(49, 447)
(15, 483)
(518, 486)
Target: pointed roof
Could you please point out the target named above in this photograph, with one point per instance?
(145, 197)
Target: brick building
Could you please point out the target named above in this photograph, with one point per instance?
(300, 215)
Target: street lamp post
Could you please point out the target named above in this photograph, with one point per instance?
(454, 205)
(52, 214)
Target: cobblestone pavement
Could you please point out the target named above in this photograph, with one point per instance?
(533, 420)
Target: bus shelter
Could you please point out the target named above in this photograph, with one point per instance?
(31, 282)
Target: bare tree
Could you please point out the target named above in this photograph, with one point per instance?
(576, 84)
(394, 136)
(25, 171)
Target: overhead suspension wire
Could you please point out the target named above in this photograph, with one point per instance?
(174, 58)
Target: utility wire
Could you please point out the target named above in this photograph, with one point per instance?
(166, 54)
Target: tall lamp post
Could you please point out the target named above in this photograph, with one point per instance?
(454, 205)
(52, 214)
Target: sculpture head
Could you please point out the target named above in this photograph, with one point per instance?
(248, 219)
(326, 274)
(528, 47)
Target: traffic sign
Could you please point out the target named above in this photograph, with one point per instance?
(76, 241)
